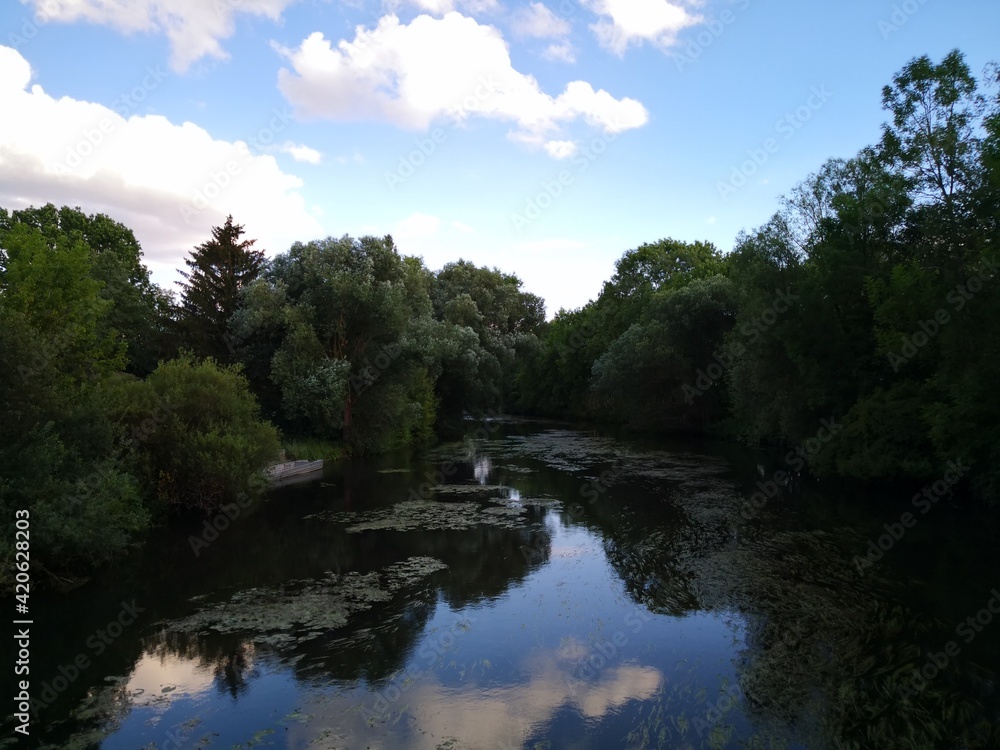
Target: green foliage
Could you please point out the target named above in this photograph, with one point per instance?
(138, 313)
(505, 321)
(56, 457)
(870, 298)
(313, 450)
(219, 270)
(314, 387)
(194, 434)
(326, 339)
(648, 375)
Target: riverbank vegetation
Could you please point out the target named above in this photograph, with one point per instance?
(868, 299)
(123, 405)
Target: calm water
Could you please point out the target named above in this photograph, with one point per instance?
(542, 587)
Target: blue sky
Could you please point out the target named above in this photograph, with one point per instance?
(544, 138)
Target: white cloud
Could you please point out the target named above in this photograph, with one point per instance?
(194, 27)
(560, 52)
(561, 149)
(462, 227)
(301, 153)
(387, 74)
(627, 22)
(536, 20)
(441, 7)
(170, 183)
(504, 716)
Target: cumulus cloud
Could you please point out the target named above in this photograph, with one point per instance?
(301, 153)
(430, 69)
(627, 22)
(560, 149)
(536, 20)
(194, 27)
(170, 183)
(560, 52)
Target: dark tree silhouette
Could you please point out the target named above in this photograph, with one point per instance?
(219, 269)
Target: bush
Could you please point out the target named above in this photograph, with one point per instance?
(194, 432)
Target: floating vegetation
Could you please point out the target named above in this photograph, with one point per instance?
(458, 507)
(479, 491)
(102, 711)
(518, 469)
(300, 611)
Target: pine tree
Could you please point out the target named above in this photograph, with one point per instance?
(219, 269)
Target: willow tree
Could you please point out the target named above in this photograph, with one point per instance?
(329, 326)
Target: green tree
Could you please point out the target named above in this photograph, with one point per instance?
(193, 432)
(327, 326)
(650, 376)
(57, 457)
(506, 321)
(219, 270)
(140, 314)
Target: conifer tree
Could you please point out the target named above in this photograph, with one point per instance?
(219, 269)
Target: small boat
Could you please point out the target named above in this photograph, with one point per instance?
(292, 469)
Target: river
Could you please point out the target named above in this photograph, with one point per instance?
(537, 585)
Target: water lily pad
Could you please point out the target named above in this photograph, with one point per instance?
(300, 611)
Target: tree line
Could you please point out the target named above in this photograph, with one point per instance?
(121, 405)
(869, 299)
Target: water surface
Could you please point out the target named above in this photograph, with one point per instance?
(537, 586)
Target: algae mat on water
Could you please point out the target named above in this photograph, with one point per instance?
(298, 611)
(489, 505)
